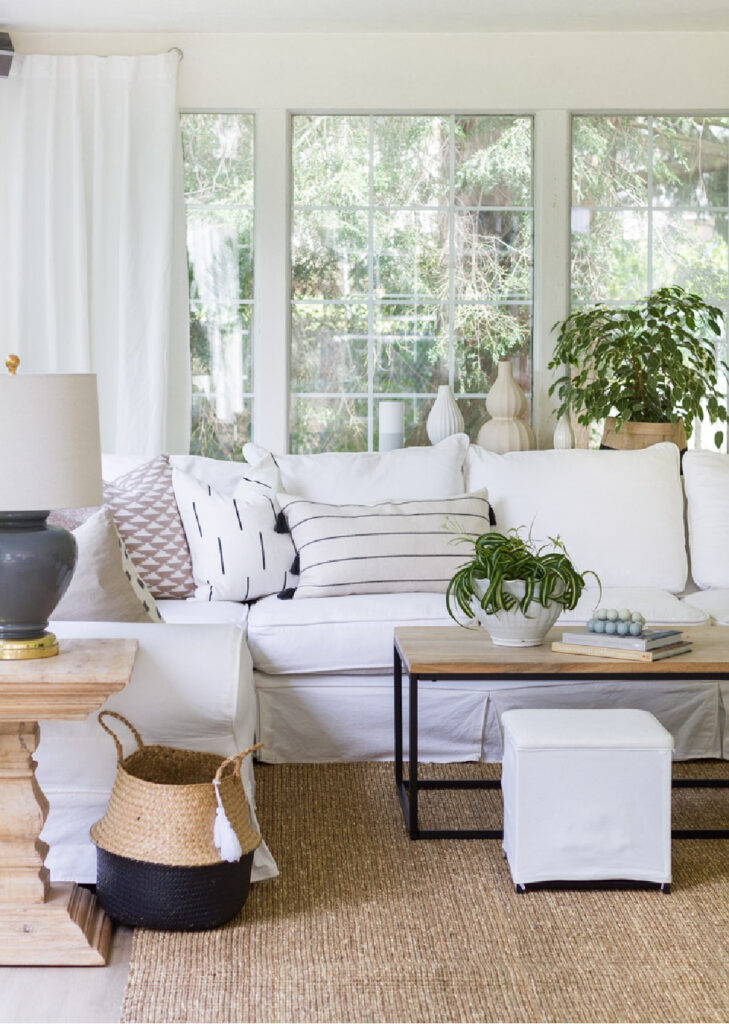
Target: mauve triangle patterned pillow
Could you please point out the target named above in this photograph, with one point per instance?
(145, 513)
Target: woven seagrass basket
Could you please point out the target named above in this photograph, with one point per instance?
(157, 862)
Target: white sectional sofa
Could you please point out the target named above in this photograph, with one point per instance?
(320, 687)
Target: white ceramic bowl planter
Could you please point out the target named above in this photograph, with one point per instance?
(514, 628)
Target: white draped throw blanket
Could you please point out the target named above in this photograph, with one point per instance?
(93, 274)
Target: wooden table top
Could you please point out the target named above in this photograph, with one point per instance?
(69, 686)
(453, 650)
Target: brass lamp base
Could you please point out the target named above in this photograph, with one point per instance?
(45, 646)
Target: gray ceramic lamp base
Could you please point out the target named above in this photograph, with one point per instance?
(36, 566)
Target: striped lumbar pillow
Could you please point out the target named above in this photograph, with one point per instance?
(387, 548)
(236, 552)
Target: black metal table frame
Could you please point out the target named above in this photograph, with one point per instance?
(409, 788)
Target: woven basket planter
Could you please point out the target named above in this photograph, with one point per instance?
(157, 862)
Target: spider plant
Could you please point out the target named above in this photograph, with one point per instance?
(546, 570)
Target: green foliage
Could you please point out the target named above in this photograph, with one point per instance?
(653, 361)
(547, 572)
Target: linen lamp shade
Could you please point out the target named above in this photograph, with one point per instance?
(51, 450)
(49, 424)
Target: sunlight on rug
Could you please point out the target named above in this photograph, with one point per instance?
(364, 925)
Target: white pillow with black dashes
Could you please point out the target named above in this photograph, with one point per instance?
(236, 553)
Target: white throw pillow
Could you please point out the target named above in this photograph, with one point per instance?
(366, 477)
(386, 548)
(618, 513)
(237, 555)
(224, 476)
(105, 586)
(707, 495)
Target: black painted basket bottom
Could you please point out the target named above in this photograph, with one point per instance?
(164, 898)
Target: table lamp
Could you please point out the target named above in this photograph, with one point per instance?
(51, 459)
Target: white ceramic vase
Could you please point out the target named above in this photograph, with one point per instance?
(445, 418)
(514, 628)
(564, 436)
(506, 403)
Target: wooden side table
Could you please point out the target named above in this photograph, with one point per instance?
(46, 924)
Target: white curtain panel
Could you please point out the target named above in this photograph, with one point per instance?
(93, 273)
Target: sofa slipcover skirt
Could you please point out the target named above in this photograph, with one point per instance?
(587, 795)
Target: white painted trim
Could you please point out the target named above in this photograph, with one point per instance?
(552, 179)
(271, 281)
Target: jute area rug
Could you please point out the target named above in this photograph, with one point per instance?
(365, 925)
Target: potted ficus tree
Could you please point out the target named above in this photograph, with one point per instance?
(648, 369)
(514, 587)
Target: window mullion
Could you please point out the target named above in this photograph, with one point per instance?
(451, 249)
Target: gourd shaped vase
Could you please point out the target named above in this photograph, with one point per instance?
(445, 418)
(563, 434)
(506, 403)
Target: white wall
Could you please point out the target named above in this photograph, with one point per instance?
(548, 74)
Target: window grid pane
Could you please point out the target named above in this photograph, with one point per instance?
(219, 194)
(415, 273)
(650, 208)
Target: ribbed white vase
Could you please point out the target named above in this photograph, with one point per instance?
(564, 436)
(445, 418)
(514, 628)
(506, 403)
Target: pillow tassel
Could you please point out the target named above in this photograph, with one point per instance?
(281, 525)
(492, 516)
(295, 569)
(224, 837)
(287, 594)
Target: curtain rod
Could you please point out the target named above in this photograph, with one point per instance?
(177, 50)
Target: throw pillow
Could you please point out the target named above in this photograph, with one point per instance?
(366, 477)
(237, 555)
(381, 549)
(145, 512)
(106, 586)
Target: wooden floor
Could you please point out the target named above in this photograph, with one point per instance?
(67, 994)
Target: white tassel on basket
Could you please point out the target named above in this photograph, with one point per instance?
(224, 837)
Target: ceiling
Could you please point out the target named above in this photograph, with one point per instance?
(364, 15)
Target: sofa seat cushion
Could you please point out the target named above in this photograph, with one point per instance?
(712, 603)
(618, 513)
(658, 606)
(351, 634)
(193, 612)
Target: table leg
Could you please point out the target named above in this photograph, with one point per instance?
(413, 775)
(397, 677)
(39, 924)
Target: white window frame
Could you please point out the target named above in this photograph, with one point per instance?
(271, 244)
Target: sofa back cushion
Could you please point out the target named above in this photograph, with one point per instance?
(384, 548)
(618, 513)
(707, 496)
(367, 477)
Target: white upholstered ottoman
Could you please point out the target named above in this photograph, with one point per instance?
(587, 795)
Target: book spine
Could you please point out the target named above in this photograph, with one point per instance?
(621, 653)
(623, 643)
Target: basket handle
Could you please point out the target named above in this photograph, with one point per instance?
(117, 741)
(236, 759)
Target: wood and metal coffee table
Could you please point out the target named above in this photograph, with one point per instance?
(451, 652)
(46, 924)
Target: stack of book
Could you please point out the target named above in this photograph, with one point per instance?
(650, 645)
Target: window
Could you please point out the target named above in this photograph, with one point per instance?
(411, 267)
(650, 203)
(218, 155)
